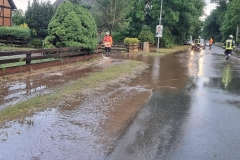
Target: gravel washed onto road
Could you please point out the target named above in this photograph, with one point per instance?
(104, 72)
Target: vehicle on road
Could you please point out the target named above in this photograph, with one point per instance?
(187, 42)
(207, 43)
(198, 44)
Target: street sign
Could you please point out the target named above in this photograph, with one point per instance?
(159, 30)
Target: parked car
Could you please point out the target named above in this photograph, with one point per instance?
(207, 43)
(187, 42)
(202, 44)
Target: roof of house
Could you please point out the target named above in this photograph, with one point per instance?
(12, 4)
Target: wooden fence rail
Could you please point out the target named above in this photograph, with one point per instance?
(38, 54)
(122, 47)
(28, 56)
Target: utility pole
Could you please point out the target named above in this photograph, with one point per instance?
(237, 32)
(160, 20)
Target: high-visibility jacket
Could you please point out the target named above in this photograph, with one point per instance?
(107, 41)
(210, 41)
(229, 44)
(197, 41)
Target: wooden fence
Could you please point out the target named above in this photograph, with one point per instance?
(14, 41)
(38, 54)
(122, 47)
(59, 56)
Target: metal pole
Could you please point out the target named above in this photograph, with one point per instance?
(237, 33)
(160, 19)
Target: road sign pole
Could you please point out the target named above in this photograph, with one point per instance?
(160, 19)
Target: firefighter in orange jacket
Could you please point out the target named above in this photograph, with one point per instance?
(107, 41)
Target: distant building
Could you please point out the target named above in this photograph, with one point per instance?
(6, 7)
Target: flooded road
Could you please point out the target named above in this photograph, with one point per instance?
(184, 106)
(197, 117)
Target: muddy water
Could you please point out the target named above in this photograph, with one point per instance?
(13, 91)
(86, 127)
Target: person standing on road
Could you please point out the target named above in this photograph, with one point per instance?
(210, 43)
(107, 41)
(229, 45)
(196, 44)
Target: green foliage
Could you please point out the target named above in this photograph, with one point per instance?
(137, 18)
(38, 15)
(167, 41)
(71, 26)
(223, 20)
(15, 32)
(118, 37)
(231, 19)
(18, 17)
(131, 40)
(212, 27)
(111, 14)
(36, 43)
(146, 35)
(180, 18)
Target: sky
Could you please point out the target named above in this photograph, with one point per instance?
(22, 4)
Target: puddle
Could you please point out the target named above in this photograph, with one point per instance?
(87, 127)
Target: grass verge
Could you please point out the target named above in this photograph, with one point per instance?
(125, 69)
(165, 51)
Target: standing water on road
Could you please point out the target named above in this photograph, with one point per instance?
(166, 112)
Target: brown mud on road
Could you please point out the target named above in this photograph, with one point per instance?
(84, 125)
(18, 87)
(88, 124)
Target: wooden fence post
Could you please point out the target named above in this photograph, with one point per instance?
(28, 55)
(129, 48)
(146, 47)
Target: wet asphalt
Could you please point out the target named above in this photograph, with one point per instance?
(195, 120)
(185, 106)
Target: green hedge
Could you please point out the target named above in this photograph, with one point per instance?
(131, 40)
(15, 32)
(36, 43)
(146, 35)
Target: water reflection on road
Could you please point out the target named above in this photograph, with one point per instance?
(153, 116)
(199, 120)
(87, 127)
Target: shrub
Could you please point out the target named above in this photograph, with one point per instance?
(131, 40)
(118, 37)
(167, 40)
(36, 43)
(15, 32)
(71, 26)
(146, 35)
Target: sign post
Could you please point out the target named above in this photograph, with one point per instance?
(160, 18)
(159, 30)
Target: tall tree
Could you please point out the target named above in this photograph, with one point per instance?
(111, 14)
(18, 17)
(231, 19)
(180, 18)
(71, 26)
(38, 15)
(212, 26)
(223, 19)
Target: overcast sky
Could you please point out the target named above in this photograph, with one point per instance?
(22, 4)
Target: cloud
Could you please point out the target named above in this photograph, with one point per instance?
(209, 8)
(22, 4)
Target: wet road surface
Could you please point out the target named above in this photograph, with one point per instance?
(185, 106)
(198, 119)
